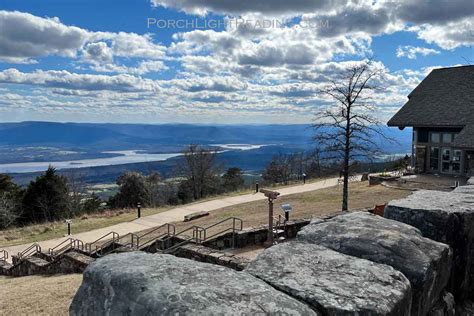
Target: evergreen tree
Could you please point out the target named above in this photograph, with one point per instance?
(46, 198)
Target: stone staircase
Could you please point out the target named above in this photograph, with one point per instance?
(73, 256)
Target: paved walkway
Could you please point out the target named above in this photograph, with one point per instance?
(175, 215)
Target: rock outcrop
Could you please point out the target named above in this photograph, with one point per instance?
(447, 217)
(145, 284)
(465, 189)
(426, 263)
(333, 283)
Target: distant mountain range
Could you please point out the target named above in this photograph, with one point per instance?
(123, 136)
(30, 142)
(141, 136)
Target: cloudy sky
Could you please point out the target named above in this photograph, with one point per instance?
(215, 61)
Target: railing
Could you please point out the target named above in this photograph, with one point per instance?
(171, 231)
(279, 222)
(132, 243)
(113, 236)
(3, 255)
(28, 252)
(67, 244)
(234, 228)
(197, 231)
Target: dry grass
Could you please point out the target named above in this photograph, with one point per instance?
(46, 231)
(39, 232)
(305, 205)
(38, 295)
(52, 295)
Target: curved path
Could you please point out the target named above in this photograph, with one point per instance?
(175, 215)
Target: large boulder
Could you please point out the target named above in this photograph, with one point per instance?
(137, 283)
(447, 217)
(333, 283)
(426, 263)
(465, 189)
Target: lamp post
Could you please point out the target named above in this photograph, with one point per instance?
(271, 195)
(69, 222)
(139, 210)
(287, 209)
(304, 178)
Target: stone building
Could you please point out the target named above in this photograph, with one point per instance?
(441, 111)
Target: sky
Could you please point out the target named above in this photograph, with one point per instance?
(216, 61)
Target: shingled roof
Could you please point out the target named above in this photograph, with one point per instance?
(465, 139)
(445, 98)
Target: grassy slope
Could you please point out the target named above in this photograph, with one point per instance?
(17, 294)
(39, 232)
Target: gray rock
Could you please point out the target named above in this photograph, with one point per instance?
(445, 306)
(137, 283)
(333, 283)
(465, 189)
(426, 263)
(446, 217)
(470, 181)
(465, 308)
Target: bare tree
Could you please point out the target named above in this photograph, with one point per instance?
(8, 210)
(200, 170)
(77, 191)
(347, 131)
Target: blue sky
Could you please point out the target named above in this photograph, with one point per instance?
(100, 61)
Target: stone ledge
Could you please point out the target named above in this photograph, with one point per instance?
(204, 254)
(426, 263)
(446, 217)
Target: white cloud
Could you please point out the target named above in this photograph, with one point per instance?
(98, 52)
(411, 52)
(66, 80)
(24, 36)
(448, 36)
(202, 7)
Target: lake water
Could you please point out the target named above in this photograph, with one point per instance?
(126, 156)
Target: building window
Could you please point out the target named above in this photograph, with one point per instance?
(434, 159)
(447, 138)
(435, 138)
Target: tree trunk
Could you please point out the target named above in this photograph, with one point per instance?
(347, 150)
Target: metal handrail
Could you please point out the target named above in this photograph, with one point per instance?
(159, 227)
(233, 229)
(3, 255)
(73, 244)
(31, 250)
(78, 244)
(196, 233)
(174, 247)
(61, 247)
(132, 243)
(153, 240)
(171, 231)
(115, 236)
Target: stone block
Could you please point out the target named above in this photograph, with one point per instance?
(446, 217)
(167, 285)
(426, 263)
(333, 283)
